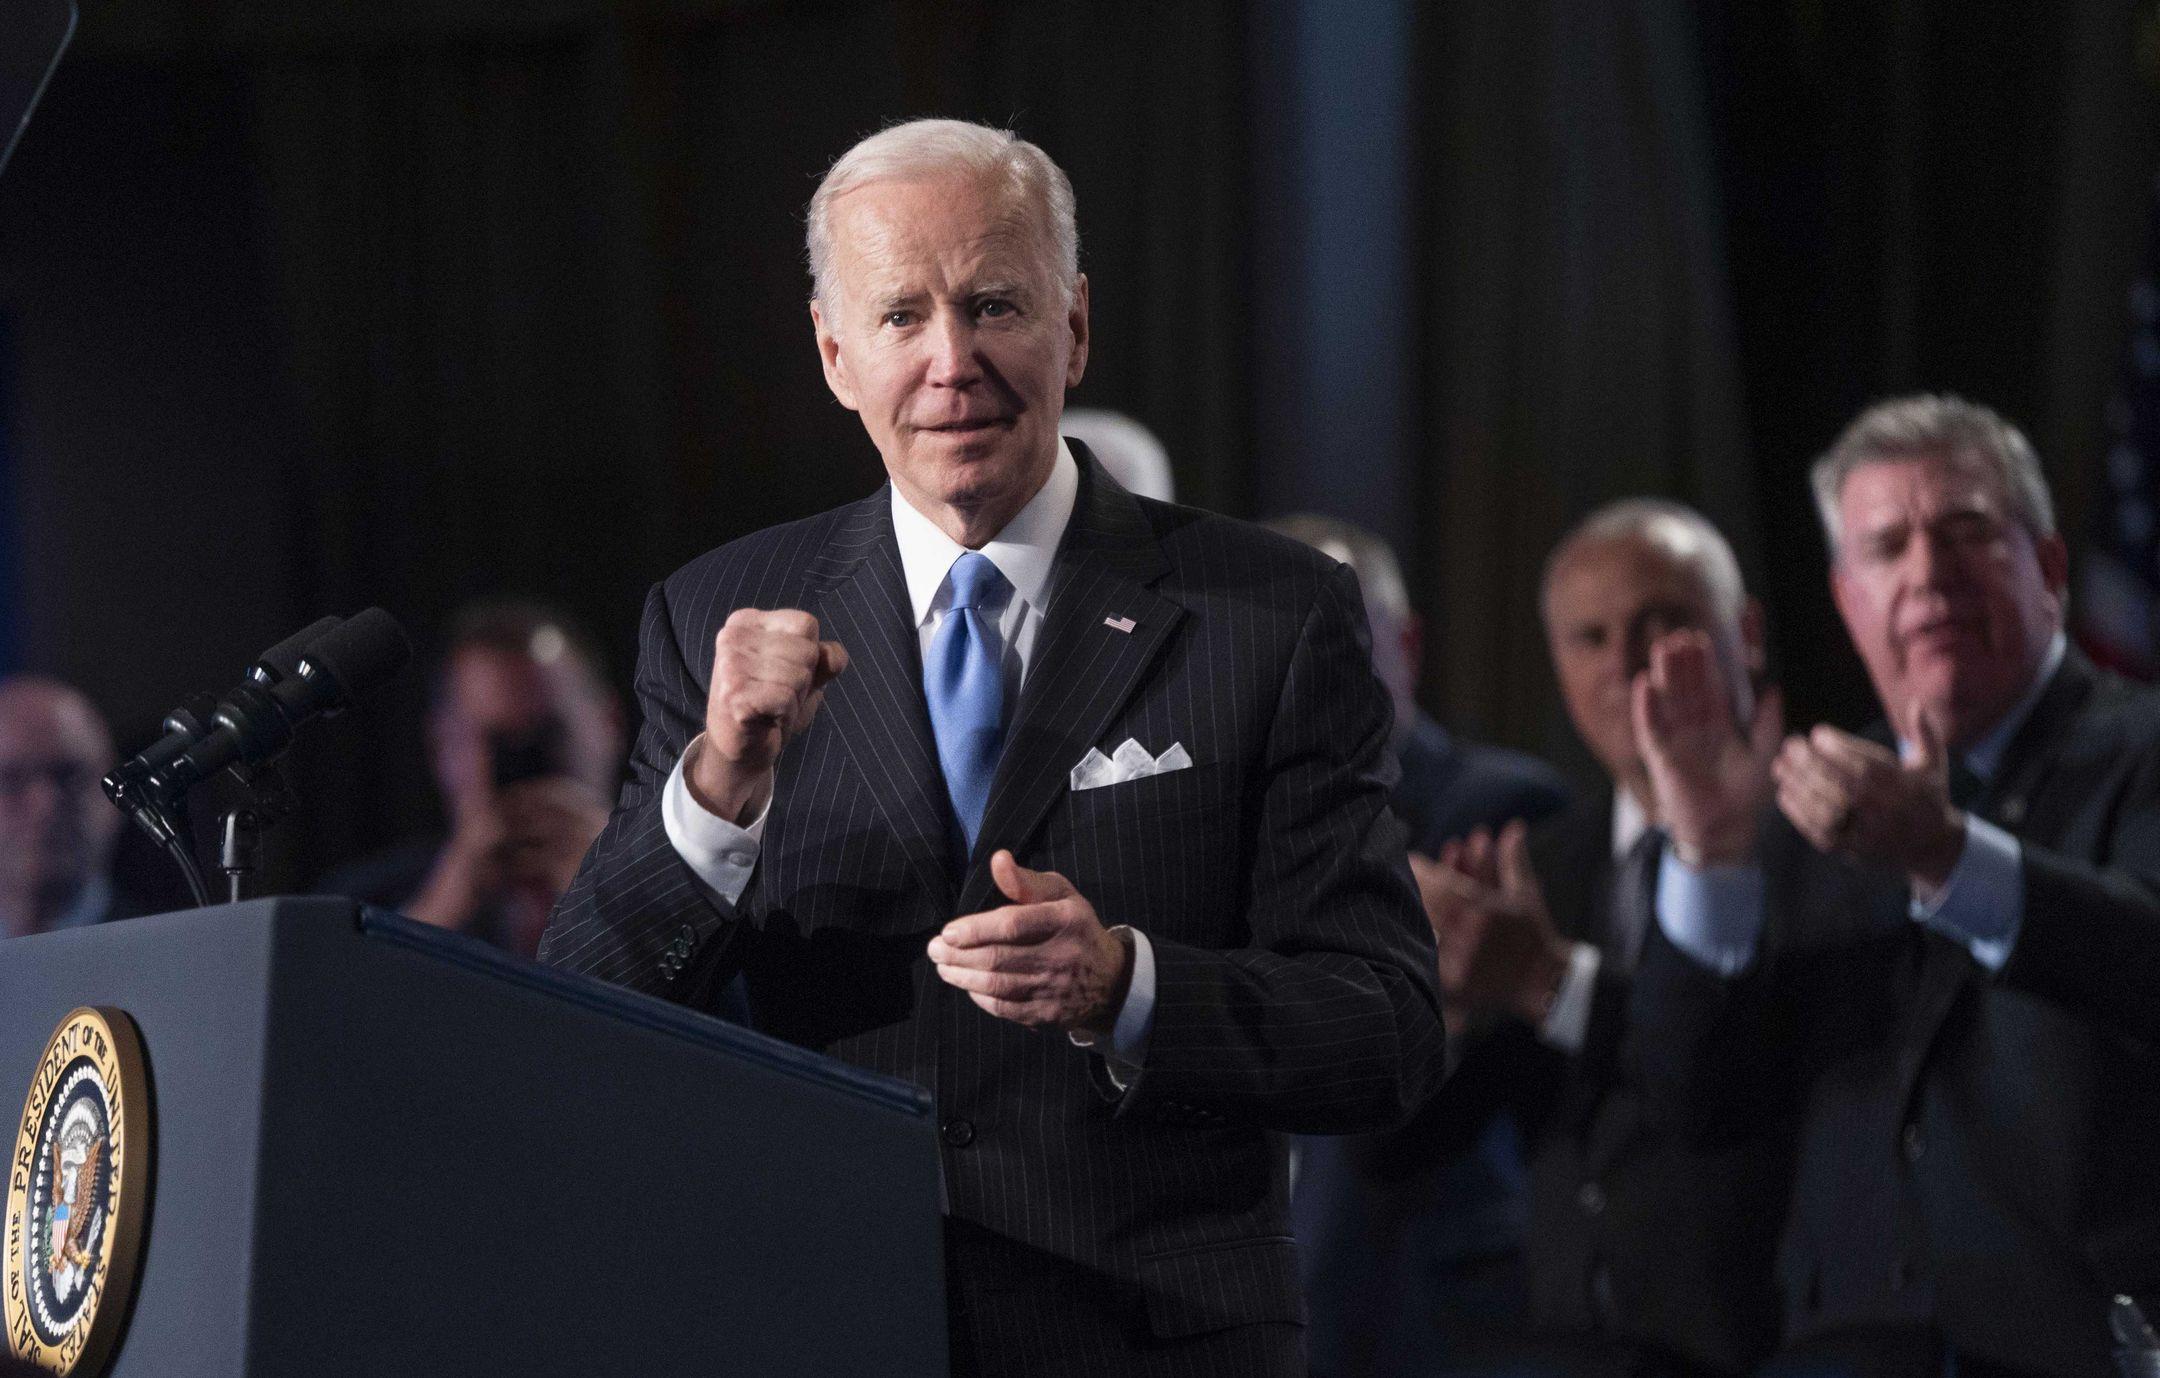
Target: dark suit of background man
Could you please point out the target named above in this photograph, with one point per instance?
(57, 832)
(1647, 1253)
(1964, 991)
(855, 790)
(1400, 1274)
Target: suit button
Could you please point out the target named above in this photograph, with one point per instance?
(959, 1131)
(1915, 1142)
(1591, 1198)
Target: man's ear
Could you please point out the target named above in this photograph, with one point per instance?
(2054, 558)
(1076, 321)
(828, 348)
(1753, 638)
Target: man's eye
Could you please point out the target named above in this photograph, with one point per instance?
(899, 318)
(994, 309)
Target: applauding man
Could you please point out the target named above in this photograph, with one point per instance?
(1646, 1252)
(1958, 990)
(1066, 805)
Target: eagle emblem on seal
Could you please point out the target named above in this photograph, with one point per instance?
(77, 1207)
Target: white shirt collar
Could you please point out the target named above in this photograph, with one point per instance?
(1629, 821)
(1023, 552)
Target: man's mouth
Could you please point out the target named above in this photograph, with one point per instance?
(970, 425)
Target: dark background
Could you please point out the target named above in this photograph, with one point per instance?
(307, 307)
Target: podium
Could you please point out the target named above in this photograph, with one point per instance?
(378, 1148)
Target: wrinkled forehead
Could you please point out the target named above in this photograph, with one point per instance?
(1618, 578)
(897, 234)
(40, 728)
(1919, 486)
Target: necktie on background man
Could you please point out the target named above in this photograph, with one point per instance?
(964, 683)
(1634, 899)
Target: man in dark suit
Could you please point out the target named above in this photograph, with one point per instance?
(1646, 1252)
(1401, 1274)
(1066, 805)
(1960, 989)
(57, 832)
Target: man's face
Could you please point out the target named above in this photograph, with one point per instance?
(948, 334)
(1606, 602)
(56, 829)
(1949, 599)
(506, 716)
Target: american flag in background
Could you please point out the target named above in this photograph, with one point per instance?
(2118, 593)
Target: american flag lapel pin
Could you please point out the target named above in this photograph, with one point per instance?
(1119, 624)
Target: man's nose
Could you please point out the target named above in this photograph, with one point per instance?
(1929, 561)
(952, 350)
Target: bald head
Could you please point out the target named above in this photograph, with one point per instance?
(56, 829)
(1629, 573)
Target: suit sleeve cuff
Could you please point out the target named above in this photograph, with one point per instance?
(1125, 1051)
(720, 853)
(1982, 905)
(1567, 1024)
(1713, 914)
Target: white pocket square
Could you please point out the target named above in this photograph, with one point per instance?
(1131, 761)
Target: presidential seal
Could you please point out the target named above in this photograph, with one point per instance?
(77, 1188)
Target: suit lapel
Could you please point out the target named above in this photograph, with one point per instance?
(876, 706)
(2031, 752)
(1082, 670)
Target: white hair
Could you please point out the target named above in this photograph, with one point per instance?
(1129, 450)
(922, 149)
(1676, 530)
(1961, 434)
(1369, 557)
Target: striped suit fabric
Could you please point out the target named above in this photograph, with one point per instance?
(1092, 1229)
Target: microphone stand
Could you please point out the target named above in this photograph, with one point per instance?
(241, 827)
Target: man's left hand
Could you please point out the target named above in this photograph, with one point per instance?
(1849, 795)
(1044, 960)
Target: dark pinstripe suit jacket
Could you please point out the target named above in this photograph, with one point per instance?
(1294, 970)
(1978, 1151)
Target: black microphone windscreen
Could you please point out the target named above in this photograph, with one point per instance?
(283, 659)
(368, 648)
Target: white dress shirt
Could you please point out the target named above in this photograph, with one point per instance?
(724, 855)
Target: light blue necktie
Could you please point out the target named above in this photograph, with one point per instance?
(965, 686)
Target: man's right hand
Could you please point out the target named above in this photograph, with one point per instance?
(1711, 781)
(1500, 952)
(769, 675)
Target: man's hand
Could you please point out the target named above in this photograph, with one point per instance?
(548, 826)
(769, 676)
(1043, 960)
(1499, 949)
(1849, 795)
(1711, 781)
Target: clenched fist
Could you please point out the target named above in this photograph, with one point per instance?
(769, 675)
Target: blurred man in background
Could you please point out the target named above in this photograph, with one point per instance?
(1959, 987)
(57, 831)
(1647, 1251)
(1399, 1270)
(526, 742)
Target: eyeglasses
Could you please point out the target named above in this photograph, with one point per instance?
(17, 778)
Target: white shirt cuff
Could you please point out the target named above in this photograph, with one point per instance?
(720, 853)
(1982, 905)
(1127, 1046)
(1713, 914)
(1567, 1024)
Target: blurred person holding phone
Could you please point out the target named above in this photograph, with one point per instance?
(526, 742)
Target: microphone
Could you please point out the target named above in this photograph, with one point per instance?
(193, 720)
(255, 722)
(316, 672)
